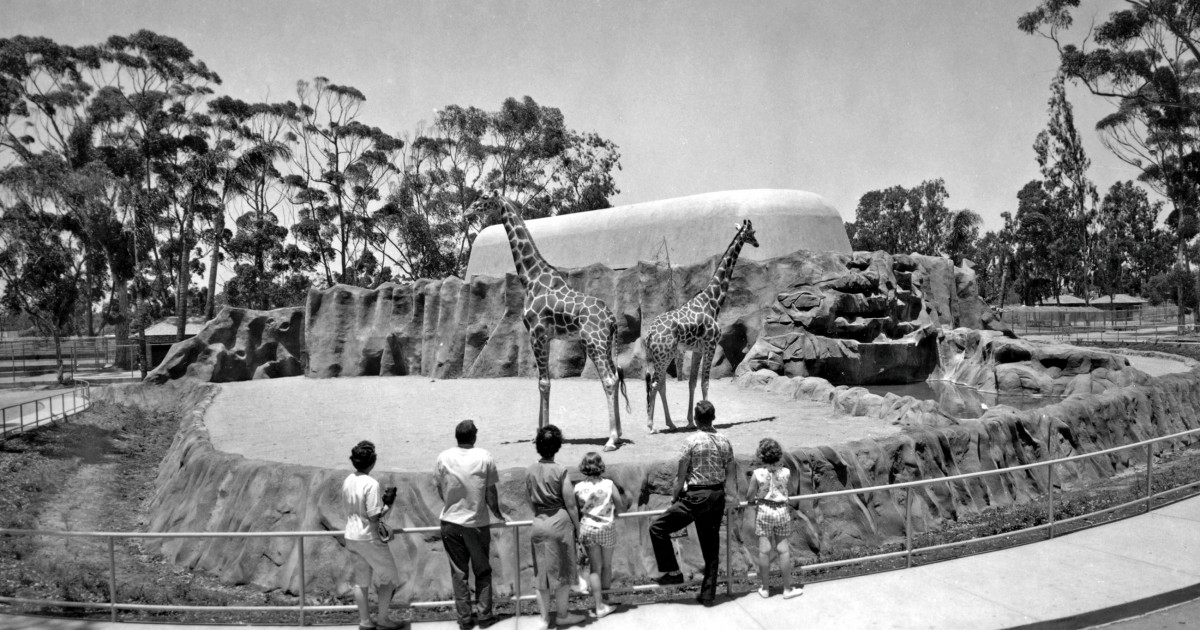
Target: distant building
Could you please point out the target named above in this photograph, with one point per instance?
(1118, 302)
(692, 229)
(161, 335)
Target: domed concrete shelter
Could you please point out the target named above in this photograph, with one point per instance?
(694, 229)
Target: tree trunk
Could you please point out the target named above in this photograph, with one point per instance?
(185, 279)
(123, 358)
(210, 304)
(1179, 257)
(58, 355)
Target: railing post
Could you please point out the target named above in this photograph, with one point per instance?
(112, 577)
(728, 552)
(21, 409)
(1149, 472)
(908, 527)
(37, 414)
(1050, 498)
(303, 581)
(517, 575)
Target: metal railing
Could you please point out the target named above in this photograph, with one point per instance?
(33, 356)
(302, 609)
(80, 399)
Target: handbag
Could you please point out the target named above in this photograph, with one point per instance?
(389, 497)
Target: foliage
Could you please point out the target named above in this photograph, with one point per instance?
(524, 151)
(904, 220)
(1145, 60)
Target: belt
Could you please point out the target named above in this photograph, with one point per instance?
(718, 486)
(771, 503)
(547, 511)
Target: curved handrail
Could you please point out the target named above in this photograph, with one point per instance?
(80, 385)
(301, 608)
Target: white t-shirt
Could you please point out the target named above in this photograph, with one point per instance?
(463, 475)
(595, 499)
(360, 500)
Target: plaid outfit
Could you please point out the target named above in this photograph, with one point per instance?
(774, 516)
(602, 535)
(595, 498)
(708, 453)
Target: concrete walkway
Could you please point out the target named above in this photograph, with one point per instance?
(1080, 580)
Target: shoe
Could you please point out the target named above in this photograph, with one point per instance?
(604, 610)
(793, 592)
(568, 620)
(489, 621)
(391, 624)
(706, 602)
(466, 624)
(763, 592)
(669, 579)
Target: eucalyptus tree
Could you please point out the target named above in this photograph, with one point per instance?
(523, 151)
(340, 166)
(1145, 59)
(252, 141)
(39, 267)
(154, 86)
(1071, 209)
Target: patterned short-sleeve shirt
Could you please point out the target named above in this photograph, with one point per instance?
(772, 483)
(708, 454)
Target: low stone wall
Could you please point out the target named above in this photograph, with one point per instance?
(201, 489)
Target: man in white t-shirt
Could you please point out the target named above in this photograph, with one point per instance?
(466, 481)
(370, 555)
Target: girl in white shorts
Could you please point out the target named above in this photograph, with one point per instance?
(599, 502)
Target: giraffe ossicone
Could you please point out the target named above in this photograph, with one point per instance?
(693, 326)
(553, 309)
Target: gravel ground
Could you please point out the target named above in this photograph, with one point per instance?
(411, 419)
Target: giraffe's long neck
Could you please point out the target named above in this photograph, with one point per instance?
(525, 253)
(718, 286)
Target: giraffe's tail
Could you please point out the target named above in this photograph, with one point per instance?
(624, 392)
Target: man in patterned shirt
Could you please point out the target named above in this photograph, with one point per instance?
(705, 465)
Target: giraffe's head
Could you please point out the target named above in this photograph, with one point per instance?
(747, 231)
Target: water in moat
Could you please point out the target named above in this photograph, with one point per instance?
(959, 401)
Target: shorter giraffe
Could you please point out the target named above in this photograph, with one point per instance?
(694, 327)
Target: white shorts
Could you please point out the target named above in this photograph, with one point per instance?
(372, 562)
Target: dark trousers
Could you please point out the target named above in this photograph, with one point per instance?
(469, 547)
(705, 507)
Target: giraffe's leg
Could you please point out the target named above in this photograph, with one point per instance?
(679, 364)
(705, 367)
(602, 358)
(696, 357)
(541, 357)
(653, 375)
(662, 393)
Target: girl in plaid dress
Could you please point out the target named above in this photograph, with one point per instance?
(599, 502)
(773, 522)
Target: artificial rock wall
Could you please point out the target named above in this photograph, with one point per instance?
(201, 489)
(852, 318)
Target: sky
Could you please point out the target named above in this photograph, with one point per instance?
(836, 98)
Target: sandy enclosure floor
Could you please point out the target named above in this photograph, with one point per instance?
(1157, 366)
(411, 419)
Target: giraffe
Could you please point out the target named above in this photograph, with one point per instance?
(553, 309)
(694, 327)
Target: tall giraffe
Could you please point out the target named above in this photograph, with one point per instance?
(694, 327)
(553, 309)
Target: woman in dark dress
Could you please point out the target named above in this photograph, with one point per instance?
(555, 522)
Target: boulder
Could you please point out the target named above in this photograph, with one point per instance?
(994, 363)
(238, 345)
